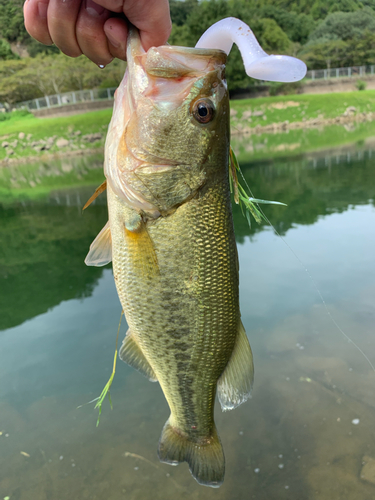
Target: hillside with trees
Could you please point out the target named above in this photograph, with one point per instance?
(324, 33)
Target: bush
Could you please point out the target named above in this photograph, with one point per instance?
(18, 113)
(280, 88)
(361, 85)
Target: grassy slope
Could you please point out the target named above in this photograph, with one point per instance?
(45, 127)
(310, 106)
(275, 109)
(42, 128)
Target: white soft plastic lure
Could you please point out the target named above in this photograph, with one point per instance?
(258, 64)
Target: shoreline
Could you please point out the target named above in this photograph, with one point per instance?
(304, 124)
(46, 157)
(239, 129)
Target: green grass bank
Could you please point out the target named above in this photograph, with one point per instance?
(23, 136)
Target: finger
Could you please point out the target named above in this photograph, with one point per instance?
(90, 34)
(116, 30)
(35, 14)
(151, 17)
(62, 18)
(113, 5)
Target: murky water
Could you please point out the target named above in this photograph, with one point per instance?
(310, 424)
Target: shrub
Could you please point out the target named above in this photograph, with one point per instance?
(281, 88)
(361, 85)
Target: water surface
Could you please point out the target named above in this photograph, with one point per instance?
(294, 438)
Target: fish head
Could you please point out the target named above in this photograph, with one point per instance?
(170, 123)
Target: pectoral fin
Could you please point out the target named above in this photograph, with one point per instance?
(98, 191)
(131, 353)
(100, 252)
(234, 385)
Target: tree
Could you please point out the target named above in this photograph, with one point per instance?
(344, 25)
(296, 26)
(181, 10)
(30, 78)
(327, 54)
(11, 21)
(5, 51)
(271, 37)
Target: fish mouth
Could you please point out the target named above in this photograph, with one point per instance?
(159, 79)
(167, 73)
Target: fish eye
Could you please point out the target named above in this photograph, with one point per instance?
(203, 110)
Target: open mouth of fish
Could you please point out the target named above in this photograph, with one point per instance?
(156, 84)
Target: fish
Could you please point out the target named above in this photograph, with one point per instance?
(170, 238)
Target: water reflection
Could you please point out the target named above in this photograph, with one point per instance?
(42, 251)
(312, 186)
(294, 439)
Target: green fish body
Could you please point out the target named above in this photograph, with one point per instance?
(171, 239)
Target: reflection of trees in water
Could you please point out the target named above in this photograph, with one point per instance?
(312, 186)
(43, 245)
(42, 251)
(47, 175)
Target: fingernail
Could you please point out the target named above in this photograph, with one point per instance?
(42, 9)
(112, 39)
(94, 9)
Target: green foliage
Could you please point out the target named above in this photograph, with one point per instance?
(361, 85)
(345, 25)
(35, 48)
(296, 26)
(325, 54)
(324, 33)
(11, 21)
(357, 51)
(45, 75)
(14, 115)
(271, 37)
(241, 195)
(181, 10)
(6, 51)
(281, 88)
(181, 36)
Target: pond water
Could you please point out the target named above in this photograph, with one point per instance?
(309, 427)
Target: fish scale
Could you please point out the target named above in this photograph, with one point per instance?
(210, 334)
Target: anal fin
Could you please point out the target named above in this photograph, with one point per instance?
(234, 385)
(131, 353)
(100, 252)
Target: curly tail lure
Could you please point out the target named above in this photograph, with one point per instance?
(258, 64)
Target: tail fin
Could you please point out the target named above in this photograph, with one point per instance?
(206, 461)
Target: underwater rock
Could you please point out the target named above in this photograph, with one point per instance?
(368, 469)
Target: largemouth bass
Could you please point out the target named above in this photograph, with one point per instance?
(171, 240)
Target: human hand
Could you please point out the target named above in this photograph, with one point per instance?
(86, 27)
